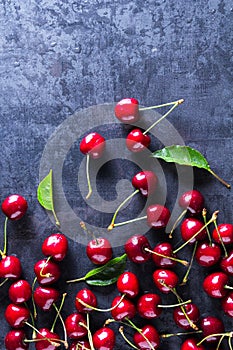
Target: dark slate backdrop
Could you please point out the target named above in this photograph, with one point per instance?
(57, 57)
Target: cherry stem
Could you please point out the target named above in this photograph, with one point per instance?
(175, 104)
(33, 321)
(220, 238)
(183, 262)
(228, 287)
(33, 301)
(204, 212)
(5, 237)
(140, 331)
(185, 278)
(41, 271)
(61, 319)
(227, 334)
(4, 281)
(77, 280)
(84, 227)
(175, 305)
(214, 217)
(121, 331)
(110, 227)
(88, 177)
(88, 332)
(220, 341)
(177, 222)
(219, 178)
(101, 310)
(178, 334)
(229, 342)
(58, 311)
(130, 221)
(160, 106)
(55, 342)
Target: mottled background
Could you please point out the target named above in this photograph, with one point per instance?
(57, 57)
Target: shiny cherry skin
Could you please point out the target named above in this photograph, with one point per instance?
(47, 272)
(135, 249)
(20, 292)
(226, 264)
(190, 227)
(166, 250)
(168, 277)
(16, 315)
(125, 309)
(226, 233)
(73, 327)
(157, 216)
(42, 343)
(146, 182)
(127, 110)
(191, 310)
(14, 340)
(227, 304)
(191, 344)
(88, 297)
(136, 141)
(45, 297)
(104, 339)
(80, 345)
(56, 245)
(93, 144)
(211, 325)
(193, 201)
(10, 267)
(147, 306)
(14, 206)
(214, 284)
(99, 251)
(128, 284)
(208, 254)
(150, 333)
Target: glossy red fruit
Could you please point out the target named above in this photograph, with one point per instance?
(227, 264)
(56, 245)
(47, 340)
(125, 309)
(74, 329)
(45, 297)
(208, 254)
(127, 110)
(93, 144)
(147, 306)
(165, 249)
(211, 325)
(10, 267)
(47, 272)
(191, 344)
(226, 233)
(135, 249)
(169, 278)
(227, 304)
(180, 319)
(88, 297)
(146, 181)
(20, 292)
(99, 251)
(14, 340)
(14, 206)
(157, 216)
(128, 284)
(16, 315)
(104, 339)
(190, 227)
(193, 201)
(80, 345)
(136, 141)
(214, 284)
(151, 334)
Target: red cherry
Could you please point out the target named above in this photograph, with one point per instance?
(192, 312)
(10, 267)
(80, 345)
(191, 344)
(125, 309)
(136, 141)
(226, 233)
(208, 254)
(227, 264)
(20, 292)
(214, 284)
(157, 216)
(211, 325)
(146, 181)
(14, 206)
(193, 201)
(56, 245)
(135, 249)
(151, 334)
(227, 304)
(47, 272)
(88, 297)
(167, 277)
(99, 251)
(190, 227)
(14, 340)
(104, 339)
(16, 315)
(45, 297)
(74, 329)
(93, 144)
(147, 306)
(128, 284)
(164, 249)
(127, 110)
(50, 343)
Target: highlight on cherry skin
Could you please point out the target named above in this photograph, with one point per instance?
(14, 206)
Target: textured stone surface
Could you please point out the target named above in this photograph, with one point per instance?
(60, 56)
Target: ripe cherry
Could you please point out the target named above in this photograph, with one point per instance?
(104, 339)
(45, 297)
(20, 292)
(86, 296)
(128, 284)
(136, 141)
(181, 319)
(14, 340)
(147, 339)
(193, 201)
(10, 267)
(163, 252)
(191, 344)
(165, 280)
(226, 233)
(74, 326)
(227, 304)
(56, 245)
(99, 251)
(190, 227)
(80, 345)
(157, 216)
(147, 306)
(127, 110)
(208, 254)
(135, 249)
(215, 284)
(124, 309)
(14, 207)
(146, 182)
(46, 339)
(47, 272)
(211, 325)
(16, 315)
(227, 264)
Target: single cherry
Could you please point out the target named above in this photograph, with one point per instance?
(157, 216)
(47, 272)
(104, 339)
(99, 251)
(165, 280)
(14, 340)
(226, 234)
(16, 315)
(181, 319)
(76, 326)
(45, 297)
(20, 292)
(135, 249)
(128, 284)
(208, 254)
(147, 339)
(193, 201)
(10, 267)
(80, 345)
(56, 245)
(147, 306)
(136, 141)
(124, 309)
(215, 284)
(227, 304)
(127, 110)
(86, 296)
(227, 264)
(190, 227)
(211, 325)
(46, 339)
(146, 182)
(14, 206)
(162, 253)
(191, 344)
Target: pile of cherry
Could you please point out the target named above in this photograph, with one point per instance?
(210, 249)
